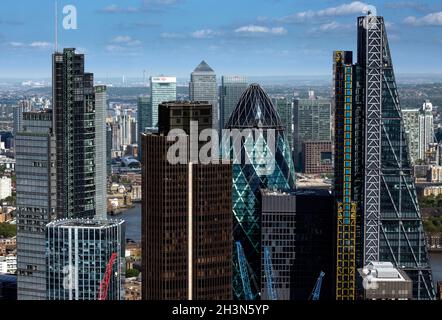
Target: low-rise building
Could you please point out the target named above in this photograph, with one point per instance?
(8, 264)
(5, 187)
(8, 246)
(317, 157)
(132, 288)
(382, 281)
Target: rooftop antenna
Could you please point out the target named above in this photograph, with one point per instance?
(56, 27)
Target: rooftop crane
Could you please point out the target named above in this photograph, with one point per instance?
(317, 290)
(268, 268)
(104, 285)
(244, 273)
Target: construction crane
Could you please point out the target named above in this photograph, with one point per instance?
(268, 268)
(244, 273)
(317, 290)
(104, 285)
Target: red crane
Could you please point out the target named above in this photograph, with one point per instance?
(104, 285)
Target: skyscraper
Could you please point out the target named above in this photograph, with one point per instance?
(108, 149)
(312, 121)
(284, 106)
(202, 87)
(426, 129)
(232, 87)
(186, 213)
(74, 127)
(378, 212)
(261, 137)
(100, 152)
(36, 200)
(161, 89)
(78, 252)
(412, 122)
(144, 117)
(419, 130)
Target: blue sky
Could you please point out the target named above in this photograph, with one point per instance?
(250, 37)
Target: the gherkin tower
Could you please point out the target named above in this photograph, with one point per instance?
(261, 159)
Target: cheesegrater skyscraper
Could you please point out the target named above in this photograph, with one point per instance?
(378, 216)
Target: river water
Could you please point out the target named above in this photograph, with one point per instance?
(132, 217)
(133, 231)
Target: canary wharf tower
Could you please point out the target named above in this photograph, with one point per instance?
(381, 197)
(261, 159)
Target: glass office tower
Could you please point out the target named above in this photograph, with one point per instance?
(378, 211)
(77, 254)
(202, 87)
(100, 152)
(162, 89)
(36, 200)
(262, 135)
(232, 87)
(74, 126)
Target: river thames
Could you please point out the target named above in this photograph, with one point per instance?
(133, 231)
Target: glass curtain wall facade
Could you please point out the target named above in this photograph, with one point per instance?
(74, 126)
(36, 201)
(381, 199)
(78, 252)
(100, 152)
(257, 120)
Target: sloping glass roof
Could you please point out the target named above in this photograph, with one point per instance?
(255, 110)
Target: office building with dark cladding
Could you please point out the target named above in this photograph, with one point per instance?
(74, 126)
(186, 213)
(298, 232)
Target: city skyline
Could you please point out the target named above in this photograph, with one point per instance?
(151, 35)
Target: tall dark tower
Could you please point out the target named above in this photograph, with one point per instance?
(186, 213)
(384, 221)
(74, 110)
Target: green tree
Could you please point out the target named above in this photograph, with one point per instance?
(132, 273)
(7, 230)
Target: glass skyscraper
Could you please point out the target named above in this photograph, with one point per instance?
(202, 87)
(162, 89)
(284, 106)
(78, 252)
(74, 127)
(232, 87)
(262, 136)
(100, 152)
(36, 200)
(312, 118)
(377, 208)
(144, 117)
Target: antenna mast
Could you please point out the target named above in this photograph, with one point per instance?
(56, 26)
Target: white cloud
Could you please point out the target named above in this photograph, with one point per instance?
(40, 44)
(146, 5)
(32, 45)
(204, 34)
(432, 19)
(171, 35)
(125, 40)
(330, 26)
(256, 30)
(355, 7)
(16, 44)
